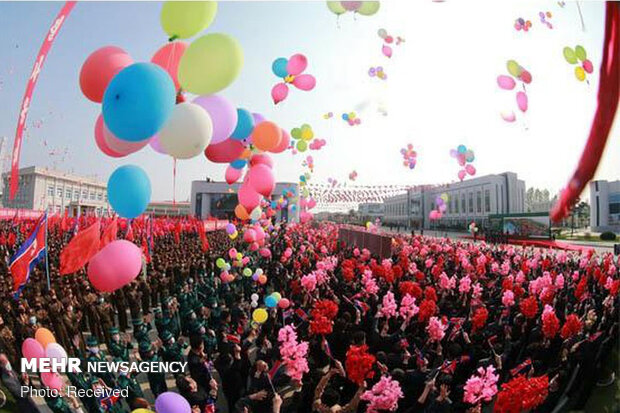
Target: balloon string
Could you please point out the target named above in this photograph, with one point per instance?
(174, 181)
(583, 26)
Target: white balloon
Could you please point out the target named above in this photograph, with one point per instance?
(254, 297)
(254, 304)
(188, 131)
(256, 213)
(259, 271)
(55, 351)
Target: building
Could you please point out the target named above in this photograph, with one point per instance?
(43, 189)
(218, 200)
(168, 208)
(605, 206)
(471, 200)
(371, 210)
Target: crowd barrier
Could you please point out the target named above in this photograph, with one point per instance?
(377, 244)
(9, 213)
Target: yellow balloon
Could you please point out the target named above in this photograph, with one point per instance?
(183, 19)
(259, 315)
(336, 7)
(233, 235)
(307, 134)
(211, 63)
(368, 8)
(142, 411)
(580, 74)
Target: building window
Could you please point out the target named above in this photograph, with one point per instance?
(76, 194)
(50, 190)
(99, 196)
(463, 204)
(59, 192)
(487, 200)
(471, 202)
(479, 201)
(84, 194)
(68, 194)
(456, 204)
(92, 196)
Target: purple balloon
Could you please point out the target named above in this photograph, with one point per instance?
(223, 115)
(258, 118)
(170, 402)
(156, 146)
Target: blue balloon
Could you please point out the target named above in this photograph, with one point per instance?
(345, 116)
(238, 163)
(129, 191)
(278, 67)
(270, 301)
(138, 101)
(245, 125)
(461, 149)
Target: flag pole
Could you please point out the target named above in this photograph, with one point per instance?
(47, 266)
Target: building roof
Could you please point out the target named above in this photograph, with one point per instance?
(43, 171)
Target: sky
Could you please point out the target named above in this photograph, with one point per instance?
(440, 90)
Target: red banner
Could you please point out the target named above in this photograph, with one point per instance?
(32, 81)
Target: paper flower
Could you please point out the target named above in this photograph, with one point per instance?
(427, 309)
(309, 282)
(481, 386)
(521, 394)
(407, 307)
(551, 324)
(508, 298)
(529, 307)
(572, 326)
(388, 306)
(294, 354)
(465, 285)
(479, 319)
(359, 364)
(436, 329)
(383, 396)
(370, 285)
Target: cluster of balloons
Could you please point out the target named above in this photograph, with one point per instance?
(386, 49)
(255, 235)
(410, 157)
(353, 175)
(291, 72)
(44, 345)
(275, 299)
(303, 136)
(473, 228)
(378, 72)
(440, 207)
(351, 118)
(308, 163)
(576, 55)
(306, 204)
(509, 83)
(231, 231)
(317, 144)
(464, 157)
(543, 18)
(332, 181)
(225, 267)
(521, 24)
(365, 8)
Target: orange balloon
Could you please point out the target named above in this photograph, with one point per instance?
(241, 212)
(266, 136)
(262, 279)
(44, 336)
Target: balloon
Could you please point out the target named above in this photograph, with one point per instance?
(129, 191)
(138, 101)
(32, 349)
(223, 115)
(52, 380)
(230, 228)
(386, 50)
(369, 8)
(302, 146)
(248, 197)
(100, 141)
(278, 67)
(284, 143)
(232, 253)
(256, 214)
(187, 133)
(244, 126)
(249, 235)
(248, 273)
(121, 146)
(266, 135)
(470, 169)
(238, 164)
(155, 145)
(262, 279)
(276, 295)
(508, 116)
(258, 118)
(296, 64)
(55, 351)
(461, 149)
(220, 263)
(461, 174)
(569, 55)
(44, 336)
(168, 58)
(210, 64)
(505, 82)
(261, 159)
(241, 212)
(580, 53)
(336, 7)
(580, 74)
(526, 76)
(184, 19)
(284, 303)
(224, 152)
(587, 66)
(351, 5)
(279, 92)
(270, 301)
(259, 315)
(232, 175)
(116, 265)
(170, 402)
(142, 411)
(522, 101)
(304, 82)
(513, 68)
(99, 68)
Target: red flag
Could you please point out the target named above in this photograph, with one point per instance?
(80, 249)
(177, 232)
(145, 251)
(109, 233)
(129, 234)
(203, 237)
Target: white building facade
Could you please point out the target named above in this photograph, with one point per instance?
(605, 206)
(43, 189)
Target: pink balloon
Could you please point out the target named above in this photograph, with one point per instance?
(32, 349)
(311, 203)
(386, 50)
(52, 380)
(115, 266)
(249, 235)
(261, 158)
(168, 57)
(351, 5)
(232, 175)
(587, 66)
(156, 145)
(261, 179)
(223, 115)
(100, 140)
(260, 233)
(304, 82)
(284, 143)
(279, 92)
(245, 260)
(232, 253)
(121, 146)
(254, 246)
(462, 174)
(506, 82)
(265, 253)
(461, 159)
(471, 170)
(508, 116)
(305, 217)
(433, 215)
(296, 64)
(99, 68)
(248, 197)
(288, 252)
(284, 303)
(224, 152)
(522, 101)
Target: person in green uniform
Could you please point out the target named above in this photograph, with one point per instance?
(161, 324)
(118, 347)
(157, 381)
(57, 404)
(172, 350)
(127, 381)
(141, 330)
(82, 382)
(94, 355)
(172, 321)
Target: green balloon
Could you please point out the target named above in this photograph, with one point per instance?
(302, 146)
(220, 263)
(580, 52)
(183, 19)
(369, 8)
(210, 64)
(296, 133)
(514, 68)
(569, 55)
(335, 7)
(247, 272)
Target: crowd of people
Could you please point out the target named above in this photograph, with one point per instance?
(441, 326)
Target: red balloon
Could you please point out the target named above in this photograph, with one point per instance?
(526, 76)
(101, 142)
(284, 143)
(225, 151)
(261, 158)
(232, 175)
(248, 197)
(99, 68)
(168, 58)
(261, 179)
